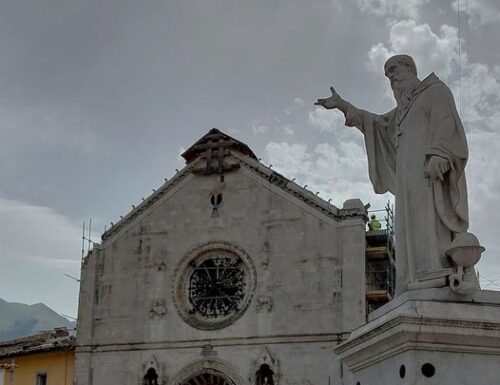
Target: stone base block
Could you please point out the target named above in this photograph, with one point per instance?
(430, 336)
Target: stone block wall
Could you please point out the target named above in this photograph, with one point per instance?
(308, 291)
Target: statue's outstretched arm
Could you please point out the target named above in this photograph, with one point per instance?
(353, 115)
(334, 101)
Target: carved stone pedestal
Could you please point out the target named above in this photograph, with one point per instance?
(430, 336)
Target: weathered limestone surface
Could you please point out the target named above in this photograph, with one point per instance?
(309, 292)
(430, 336)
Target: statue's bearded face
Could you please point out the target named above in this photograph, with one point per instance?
(401, 78)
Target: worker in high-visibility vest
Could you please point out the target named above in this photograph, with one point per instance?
(374, 223)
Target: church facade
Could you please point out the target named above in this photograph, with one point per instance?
(229, 273)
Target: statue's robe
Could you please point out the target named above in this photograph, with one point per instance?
(399, 145)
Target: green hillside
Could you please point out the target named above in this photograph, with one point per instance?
(18, 319)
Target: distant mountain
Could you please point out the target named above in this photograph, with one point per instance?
(19, 320)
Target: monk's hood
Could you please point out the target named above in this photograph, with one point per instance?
(427, 82)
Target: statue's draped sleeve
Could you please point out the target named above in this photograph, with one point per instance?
(380, 140)
(449, 142)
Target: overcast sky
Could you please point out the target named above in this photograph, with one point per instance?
(99, 98)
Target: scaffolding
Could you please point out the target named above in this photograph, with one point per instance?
(380, 262)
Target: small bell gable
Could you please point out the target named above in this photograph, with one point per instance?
(214, 147)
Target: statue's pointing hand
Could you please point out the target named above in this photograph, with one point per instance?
(334, 101)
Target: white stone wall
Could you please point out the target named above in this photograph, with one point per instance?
(299, 364)
(311, 266)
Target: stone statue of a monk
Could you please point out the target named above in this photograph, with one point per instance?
(418, 152)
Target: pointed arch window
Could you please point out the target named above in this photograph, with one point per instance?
(264, 376)
(151, 377)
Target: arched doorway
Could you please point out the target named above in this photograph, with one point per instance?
(208, 377)
(208, 371)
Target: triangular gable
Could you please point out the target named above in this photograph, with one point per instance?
(149, 201)
(234, 159)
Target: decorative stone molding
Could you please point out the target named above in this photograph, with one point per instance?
(208, 351)
(210, 365)
(159, 263)
(158, 308)
(265, 255)
(145, 346)
(186, 267)
(427, 332)
(264, 302)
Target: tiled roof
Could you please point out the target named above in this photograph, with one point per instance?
(58, 339)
